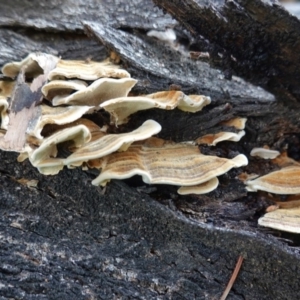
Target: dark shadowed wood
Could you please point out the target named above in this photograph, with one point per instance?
(257, 40)
(144, 54)
(157, 66)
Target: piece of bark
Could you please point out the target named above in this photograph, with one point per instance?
(67, 16)
(144, 54)
(256, 40)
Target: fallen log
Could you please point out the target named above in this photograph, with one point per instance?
(63, 238)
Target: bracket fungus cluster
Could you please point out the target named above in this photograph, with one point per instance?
(285, 181)
(47, 106)
(282, 184)
(213, 139)
(55, 98)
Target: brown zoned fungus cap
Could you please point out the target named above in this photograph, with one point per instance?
(86, 70)
(99, 91)
(121, 108)
(284, 181)
(111, 143)
(213, 139)
(160, 162)
(282, 219)
(202, 188)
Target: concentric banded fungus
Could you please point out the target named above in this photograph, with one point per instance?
(202, 188)
(32, 64)
(213, 139)
(264, 153)
(282, 219)
(117, 155)
(165, 163)
(33, 143)
(86, 70)
(284, 181)
(62, 87)
(121, 108)
(44, 157)
(54, 115)
(111, 143)
(99, 91)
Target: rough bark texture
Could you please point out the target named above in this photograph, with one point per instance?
(67, 16)
(257, 40)
(66, 239)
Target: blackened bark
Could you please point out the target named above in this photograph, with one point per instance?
(256, 40)
(68, 239)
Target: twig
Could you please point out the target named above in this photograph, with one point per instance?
(233, 278)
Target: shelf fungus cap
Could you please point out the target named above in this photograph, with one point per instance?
(121, 108)
(32, 64)
(238, 123)
(214, 139)
(283, 181)
(165, 163)
(44, 157)
(264, 153)
(45, 114)
(62, 87)
(99, 91)
(86, 70)
(6, 88)
(4, 113)
(193, 103)
(202, 188)
(111, 143)
(282, 219)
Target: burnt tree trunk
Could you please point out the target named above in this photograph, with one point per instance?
(67, 239)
